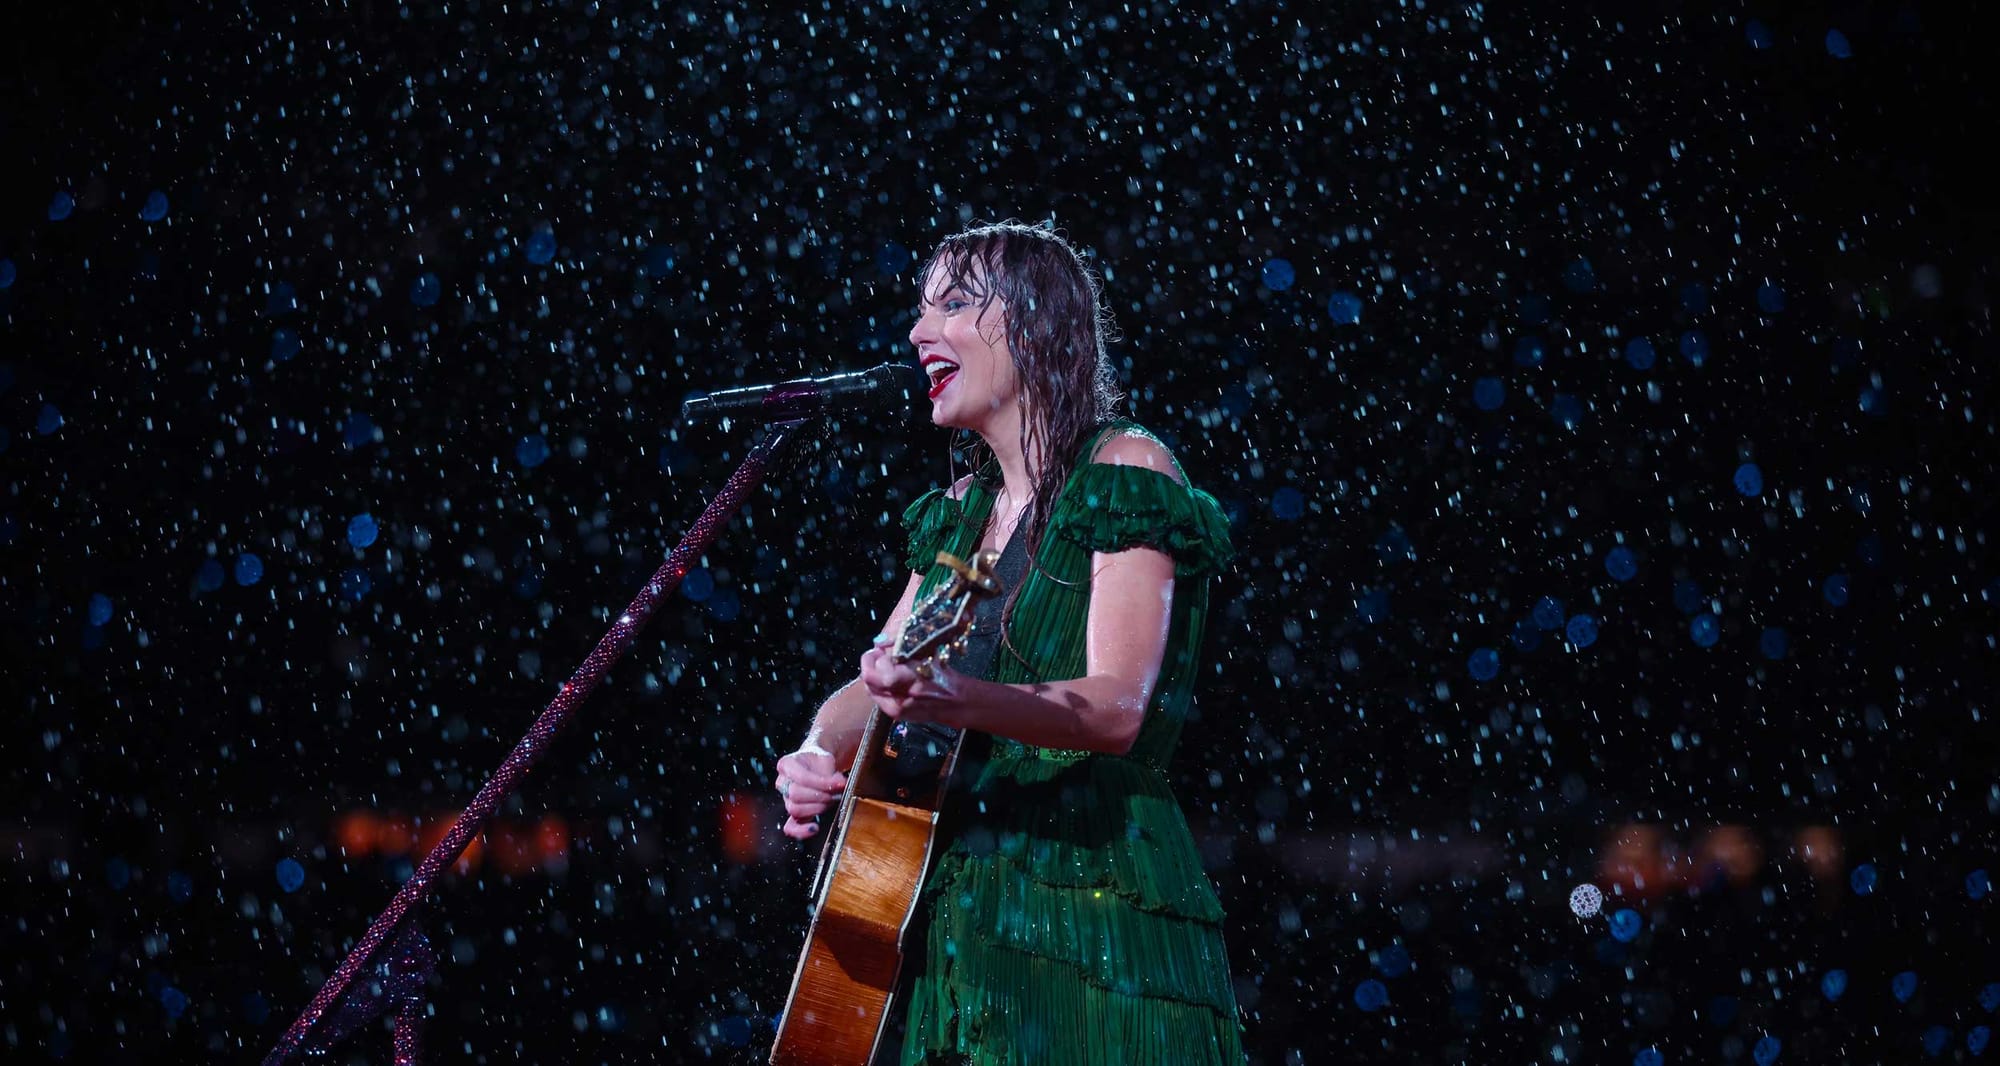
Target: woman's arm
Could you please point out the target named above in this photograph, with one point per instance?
(839, 722)
(1131, 603)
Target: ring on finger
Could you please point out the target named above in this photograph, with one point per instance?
(785, 787)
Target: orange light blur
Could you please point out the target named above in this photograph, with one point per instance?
(1818, 846)
(552, 840)
(1632, 860)
(357, 833)
(1734, 849)
(741, 821)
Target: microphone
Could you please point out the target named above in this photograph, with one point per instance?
(891, 386)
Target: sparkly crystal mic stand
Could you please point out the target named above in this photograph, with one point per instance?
(396, 982)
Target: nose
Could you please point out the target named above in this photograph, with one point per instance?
(924, 330)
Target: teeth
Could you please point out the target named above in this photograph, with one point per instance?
(940, 369)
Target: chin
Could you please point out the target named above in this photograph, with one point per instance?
(941, 418)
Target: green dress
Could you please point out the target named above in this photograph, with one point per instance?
(1069, 918)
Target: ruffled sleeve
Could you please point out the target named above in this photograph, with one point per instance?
(929, 520)
(1113, 506)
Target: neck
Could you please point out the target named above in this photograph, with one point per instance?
(1016, 480)
(1002, 434)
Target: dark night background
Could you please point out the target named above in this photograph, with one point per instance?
(1601, 402)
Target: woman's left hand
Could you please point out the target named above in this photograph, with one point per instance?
(907, 696)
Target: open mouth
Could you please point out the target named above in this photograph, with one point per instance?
(941, 371)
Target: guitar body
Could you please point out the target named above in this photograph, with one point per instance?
(876, 857)
(867, 895)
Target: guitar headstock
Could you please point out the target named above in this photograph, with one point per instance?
(942, 618)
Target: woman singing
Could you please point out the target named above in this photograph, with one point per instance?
(1069, 920)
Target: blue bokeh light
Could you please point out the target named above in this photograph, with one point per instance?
(355, 583)
(209, 576)
(1903, 986)
(1345, 307)
(48, 420)
(1758, 34)
(1774, 643)
(1567, 410)
(291, 876)
(532, 450)
(1770, 298)
(1548, 613)
(1488, 393)
(358, 431)
(155, 207)
(100, 609)
(61, 206)
(1581, 631)
(1837, 45)
(1279, 275)
(249, 569)
(1371, 995)
(698, 585)
(1484, 664)
(1694, 346)
(1621, 563)
(1833, 985)
(1530, 350)
(8, 272)
(362, 530)
(892, 259)
(426, 290)
(1625, 925)
(1863, 878)
(541, 245)
(1639, 354)
(1978, 884)
(1749, 480)
(284, 344)
(1288, 504)
(1835, 590)
(1767, 1050)
(1705, 630)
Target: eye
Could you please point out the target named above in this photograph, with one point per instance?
(954, 304)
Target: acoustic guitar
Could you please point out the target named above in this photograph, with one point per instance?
(877, 854)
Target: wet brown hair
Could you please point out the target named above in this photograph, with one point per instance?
(1056, 330)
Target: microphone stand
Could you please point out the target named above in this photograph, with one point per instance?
(396, 983)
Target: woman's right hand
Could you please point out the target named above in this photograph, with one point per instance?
(809, 783)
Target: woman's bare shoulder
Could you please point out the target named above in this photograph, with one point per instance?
(1130, 448)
